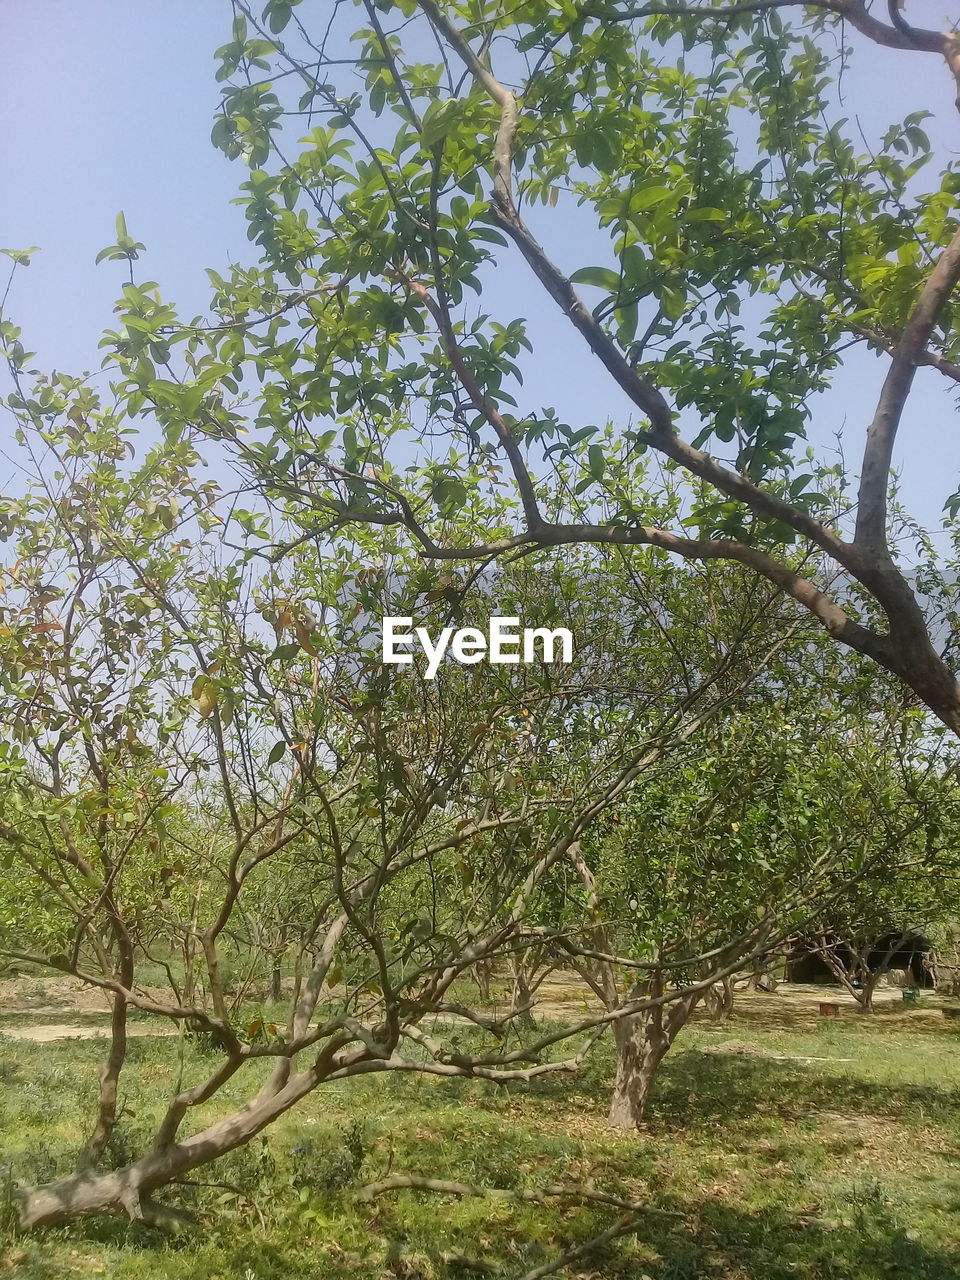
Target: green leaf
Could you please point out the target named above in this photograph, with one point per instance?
(705, 214)
(601, 277)
(596, 461)
(627, 318)
(277, 752)
(673, 301)
(648, 198)
(440, 119)
(279, 16)
(20, 256)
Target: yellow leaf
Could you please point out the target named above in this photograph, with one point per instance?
(303, 638)
(207, 700)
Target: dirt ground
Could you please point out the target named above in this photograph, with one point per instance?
(60, 1008)
(563, 997)
(44, 1009)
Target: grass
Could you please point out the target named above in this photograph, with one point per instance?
(752, 1169)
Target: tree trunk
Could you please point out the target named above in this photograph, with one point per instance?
(118, 1192)
(867, 989)
(522, 996)
(109, 1086)
(642, 1042)
(212, 957)
(128, 1190)
(107, 1112)
(640, 1050)
(483, 976)
(930, 677)
(719, 1002)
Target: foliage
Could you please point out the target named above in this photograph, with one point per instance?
(742, 239)
(219, 806)
(211, 776)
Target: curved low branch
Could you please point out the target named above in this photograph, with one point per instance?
(417, 1182)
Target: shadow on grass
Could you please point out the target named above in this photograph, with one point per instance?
(775, 1244)
(726, 1088)
(420, 1240)
(695, 1086)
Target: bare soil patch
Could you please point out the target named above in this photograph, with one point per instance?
(45, 1032)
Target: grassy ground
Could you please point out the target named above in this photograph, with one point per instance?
(753, 1168)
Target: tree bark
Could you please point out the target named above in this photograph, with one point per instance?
(109, 1085)
(525, 984)
(642, 1042)
(128, 1190)
(482, 973)
(639, 1054)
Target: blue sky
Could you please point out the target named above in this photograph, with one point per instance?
(107, 105)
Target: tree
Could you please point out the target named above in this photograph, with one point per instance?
(859, 937)
(748, 242)
(785, 813)
(203, 751)
(180, 690)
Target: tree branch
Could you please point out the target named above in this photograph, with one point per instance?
(871, 530)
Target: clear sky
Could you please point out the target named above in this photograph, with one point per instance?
(107, 105)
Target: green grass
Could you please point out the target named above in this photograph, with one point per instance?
(752, 1169)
